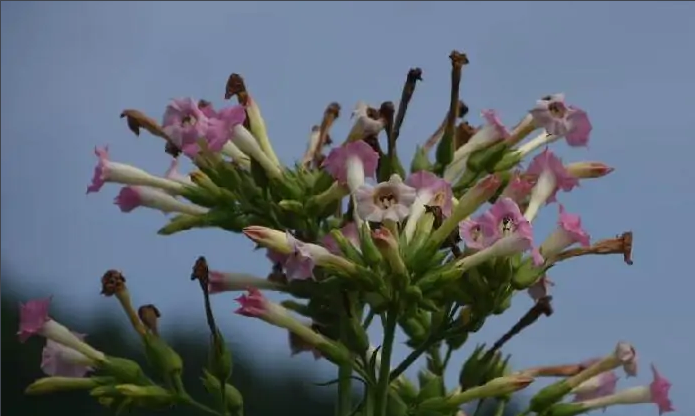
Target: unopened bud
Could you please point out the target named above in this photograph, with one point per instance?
(499, 386)
(54, 384)
(586, 170)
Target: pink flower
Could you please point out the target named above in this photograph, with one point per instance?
(431, 190)
(253, 305)
(627, 355)
(560, 119)
(33, 315)
(222, 125)
(569, 232)
(659, 389)
(185, 122)
(599, 386)
(131, 197)
(551, 173)
(540, 289)
(472, 234)
(60, 361)
(552, 177)
(519, 188)
(350, 232)
(108, 171)
(351, 163)
(507, 229)
(300, 263)
(386, 201)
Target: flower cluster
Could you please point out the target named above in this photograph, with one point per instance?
(350, 236)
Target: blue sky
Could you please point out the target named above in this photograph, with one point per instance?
(69, 68)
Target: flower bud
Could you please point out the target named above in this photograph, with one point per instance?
(124, 370)
(371, 253)
(431, 386)
(54, 384)
(233, 399)
(162, 357)
(291, 206)
(499, 386)
(420, 161)
(587, 170)
(220, 359)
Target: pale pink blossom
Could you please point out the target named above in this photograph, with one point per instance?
(60, 361)
(108, 171)
(34, 320)
(505, 227)
(552, 177)
(173, 173)
(387, 201)
(351, 163)
(569, 231)
(560, 119)
(185, 123)
(601, 385)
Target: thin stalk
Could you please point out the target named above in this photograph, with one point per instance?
(344, 405)
(384, 380)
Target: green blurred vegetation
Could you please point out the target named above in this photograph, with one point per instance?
(264, 394)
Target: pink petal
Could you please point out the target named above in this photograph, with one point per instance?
(32, 317)
(659, 388)
(336, 161)
(128, 199)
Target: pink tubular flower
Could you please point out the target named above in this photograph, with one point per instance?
(627, 355)
(659, 389)
(254, 304)
(60, 361)
(108, 171)
(519, 188)
(33, 315)
(568, 233)
(560, 119)
(386, 201)
(34, 320)
(351, 163)
(185, 123)
(506, 231)
(472, 234)
(222, 125)
(431, 190)
(350, 232)
(540, 289)
(276, 257)
(131, 197)
(299, 263)
(601, 385)
(552, 177)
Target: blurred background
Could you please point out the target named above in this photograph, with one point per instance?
(70, 68)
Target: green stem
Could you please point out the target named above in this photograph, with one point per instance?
(193, 403)
(412, 357)
(501, 405)
(344, 405)
(368, 320)
(384, 380)
(479, 407)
